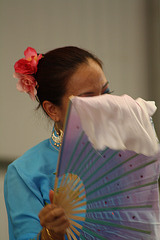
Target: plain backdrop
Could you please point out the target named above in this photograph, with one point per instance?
(124, 34)
(118, 32)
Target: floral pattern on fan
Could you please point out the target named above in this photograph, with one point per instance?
(120, 197)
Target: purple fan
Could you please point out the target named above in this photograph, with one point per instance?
(106, 194)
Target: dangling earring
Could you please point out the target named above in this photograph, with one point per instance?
(57, 135)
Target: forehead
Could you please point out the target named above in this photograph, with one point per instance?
(89, 76)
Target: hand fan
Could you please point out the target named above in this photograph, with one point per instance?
(107, 194)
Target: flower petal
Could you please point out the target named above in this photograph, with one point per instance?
(20, 86)
(32, 94)
(30, 52)
(16, 75)
(39, 57)
(23, 66)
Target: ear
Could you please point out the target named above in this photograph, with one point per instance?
(52, 110)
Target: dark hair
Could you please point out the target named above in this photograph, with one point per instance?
(55, 69)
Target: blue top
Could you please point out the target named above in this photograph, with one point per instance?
(26, 189)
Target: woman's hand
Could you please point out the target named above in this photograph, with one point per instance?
(53, 218)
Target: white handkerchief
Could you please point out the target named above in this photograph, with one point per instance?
(118, 122)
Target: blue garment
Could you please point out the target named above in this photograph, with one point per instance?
(26, 189)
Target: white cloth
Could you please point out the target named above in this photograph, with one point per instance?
(118, 122)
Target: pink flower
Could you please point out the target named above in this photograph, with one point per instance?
(26, 83)
(24, 70)
(24, 67)
(28, 65)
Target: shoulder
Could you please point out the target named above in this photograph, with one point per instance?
(26, 188)
(40, 159)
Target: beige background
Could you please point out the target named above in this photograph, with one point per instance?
(123, 33)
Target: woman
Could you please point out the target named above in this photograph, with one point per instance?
(50, 78)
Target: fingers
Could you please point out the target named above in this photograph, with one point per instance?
(59, 225)
(53, 214)
(57, 222)
(54, 218)
(50, 213)
(51, 194)
(61, 229)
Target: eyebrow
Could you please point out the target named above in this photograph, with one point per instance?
(90, 93)
(85, 93)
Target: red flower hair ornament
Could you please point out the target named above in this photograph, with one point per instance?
(25, 68)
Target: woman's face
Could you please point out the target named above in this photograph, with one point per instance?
(88, 81)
